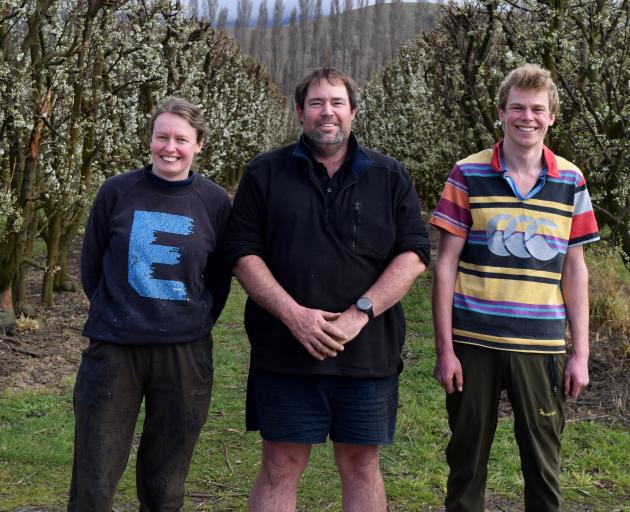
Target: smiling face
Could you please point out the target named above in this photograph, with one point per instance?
(526, 118)
(327, 115)
(173, 146)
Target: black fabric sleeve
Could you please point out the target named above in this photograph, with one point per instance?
(218, 275)
(411, 231)
(95, 242)
(245, 233)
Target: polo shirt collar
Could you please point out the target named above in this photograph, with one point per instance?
(548, 157)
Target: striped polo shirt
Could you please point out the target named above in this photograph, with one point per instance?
(508, 291)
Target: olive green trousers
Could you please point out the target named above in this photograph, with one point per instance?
(533, 383)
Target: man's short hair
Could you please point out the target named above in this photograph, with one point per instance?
(529, 76)
(182, 108)
(330, 74)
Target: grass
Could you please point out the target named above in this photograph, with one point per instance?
(609, 287)
(36, 432)
(609, 294)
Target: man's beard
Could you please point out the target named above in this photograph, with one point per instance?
(324, 140)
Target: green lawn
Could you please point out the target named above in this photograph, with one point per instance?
(36, 442)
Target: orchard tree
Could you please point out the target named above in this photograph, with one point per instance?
(434, 103)
(306, 9)
(38, 40)
(399, 115)
(74, 109)
(276, 38)
(585, 45)
(243, 15)
(459, 66)
(258, 40)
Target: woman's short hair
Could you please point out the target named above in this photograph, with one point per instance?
(185, 109)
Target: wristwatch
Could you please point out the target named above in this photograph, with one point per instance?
(365, 305)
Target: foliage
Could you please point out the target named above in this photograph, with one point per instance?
(78, 81)
(425, 109)
(36, 441)
(400, 115)
(26, 324)
(609, 298)
(450, 77)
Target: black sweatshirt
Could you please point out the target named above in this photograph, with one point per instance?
(150, 263)
(325, 256)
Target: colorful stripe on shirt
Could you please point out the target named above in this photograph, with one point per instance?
(508, 289)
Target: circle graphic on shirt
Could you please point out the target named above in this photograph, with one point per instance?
(527, 243)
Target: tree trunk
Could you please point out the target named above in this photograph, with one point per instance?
(64, 218)
(24, 249)
(27, 197)
(6, 303)
(63, 281)
(20, 296)
(52, 261)
(7, 271)
(7, 315)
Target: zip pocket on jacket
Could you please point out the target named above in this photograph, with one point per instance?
(552, 365)
(357, 221)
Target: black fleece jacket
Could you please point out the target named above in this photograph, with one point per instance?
(150, 263)
(325, 257)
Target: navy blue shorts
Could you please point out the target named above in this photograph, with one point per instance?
(308, 408)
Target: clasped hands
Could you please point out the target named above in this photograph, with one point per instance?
(322, 333)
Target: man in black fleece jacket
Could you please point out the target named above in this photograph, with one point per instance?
(326, 238)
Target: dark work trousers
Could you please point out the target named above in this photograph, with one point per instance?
(534, 387)
(175, 382)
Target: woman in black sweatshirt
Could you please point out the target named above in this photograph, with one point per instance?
(151, 268)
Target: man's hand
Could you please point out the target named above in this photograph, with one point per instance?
(575, 375)
(311, 327)
(350, 322)
(448, 372)
(314, 329)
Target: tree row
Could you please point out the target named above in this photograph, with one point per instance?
(78, 80)
(435, 103)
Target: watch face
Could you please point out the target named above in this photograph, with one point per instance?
(364, 304)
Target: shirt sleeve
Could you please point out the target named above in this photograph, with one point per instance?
(452, 212)
(245, 233)
(583, 225)
(95, 242)
(411, 231)
(217, 275)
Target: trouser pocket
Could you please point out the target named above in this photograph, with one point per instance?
(553, 371)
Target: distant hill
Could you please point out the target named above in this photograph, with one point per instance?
(361, 41)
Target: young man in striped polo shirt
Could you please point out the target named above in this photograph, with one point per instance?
(510, 273)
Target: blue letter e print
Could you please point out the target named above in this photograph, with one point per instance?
(143, 253)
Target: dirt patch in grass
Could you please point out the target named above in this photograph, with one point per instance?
(607, 397)
(48, 357)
